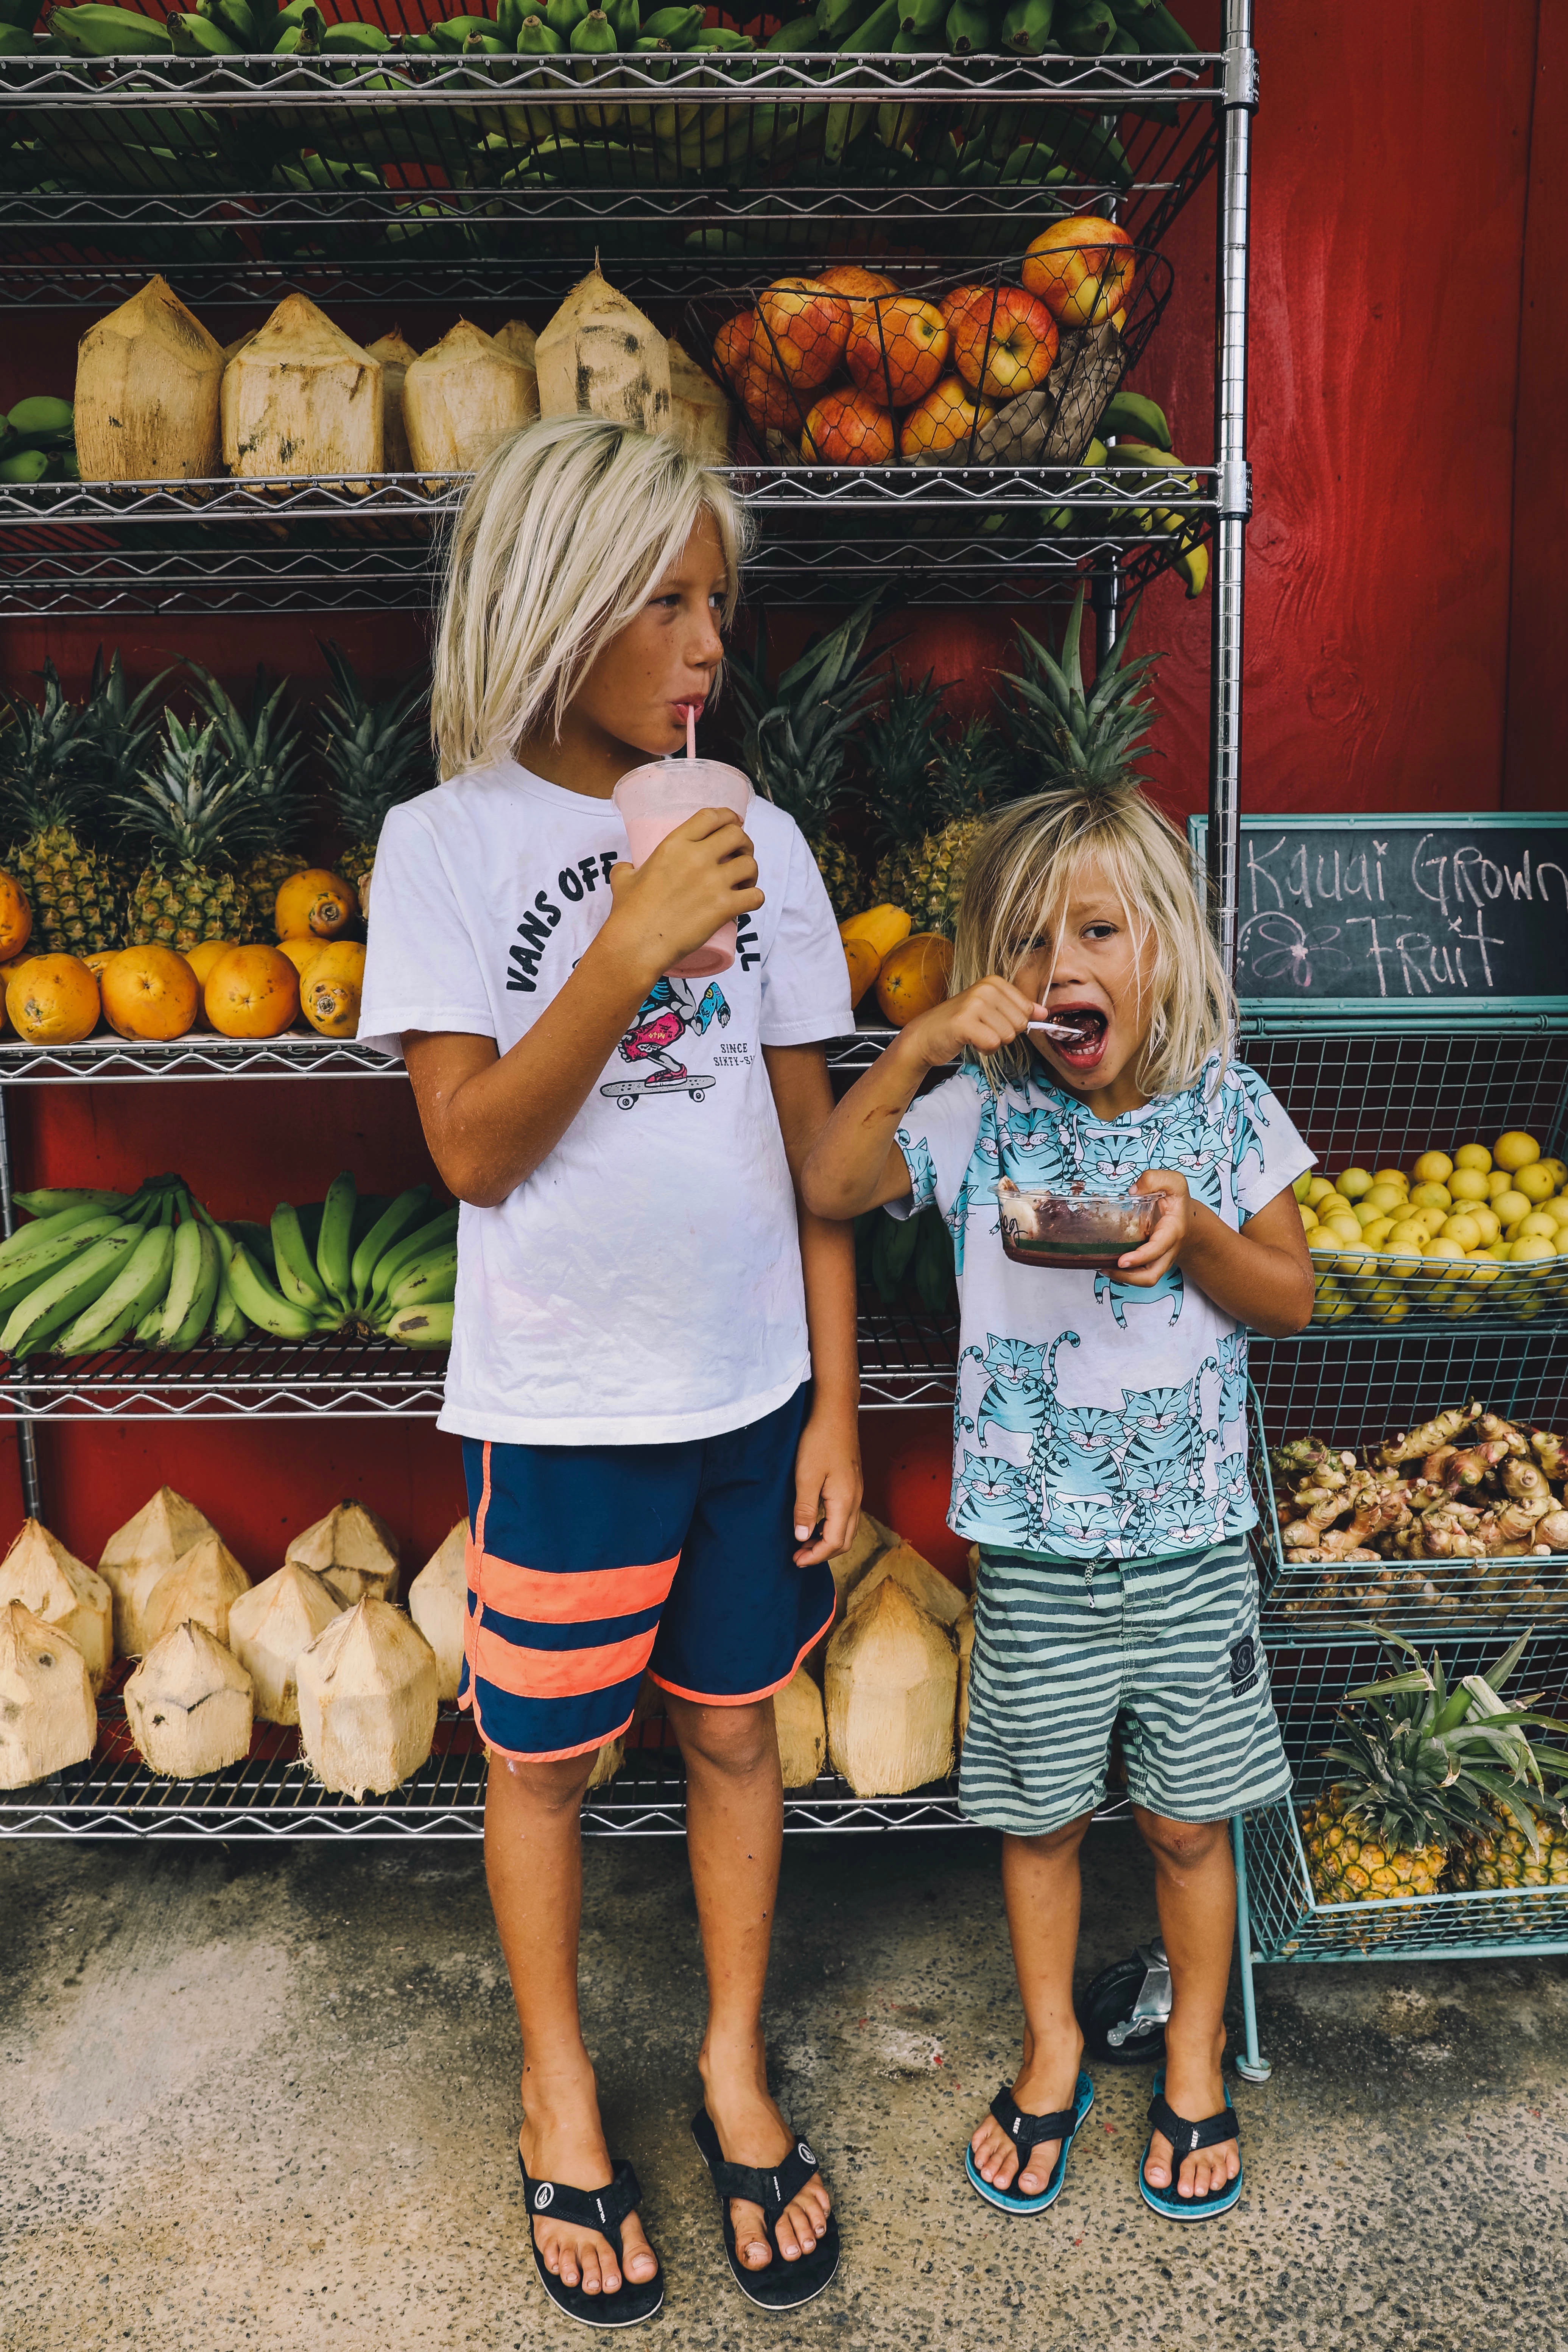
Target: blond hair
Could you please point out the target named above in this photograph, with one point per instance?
(1017, 888)
(565, 528)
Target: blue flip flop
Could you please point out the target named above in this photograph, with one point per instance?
(1027, 2131)
(1184, 2136)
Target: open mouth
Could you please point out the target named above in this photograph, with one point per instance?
(1083, 1048)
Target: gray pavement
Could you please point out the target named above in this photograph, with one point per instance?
(270, 2098)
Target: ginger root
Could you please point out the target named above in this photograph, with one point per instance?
(1442, 1431)
(1523, 1480)
(1551, 1451)
(1553, 1530)
(1493, 1425)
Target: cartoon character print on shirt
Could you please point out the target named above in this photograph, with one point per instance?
(1013, 1397)
(1163, 1439)
(1033, 1153)
(671, 1009)
(922, 1171)
(1230, 1362)
(991, 1498)
(1180, 1522)
(1122, 1294)
(1231, 1486)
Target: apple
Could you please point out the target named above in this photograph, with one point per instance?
(948, 415)
(1003, 339)
(860, 286)
(1082, 269)
(802, 328)
(897, 350)
(849, 428)
(768, 399)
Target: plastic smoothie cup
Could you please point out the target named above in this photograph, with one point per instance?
(653, 801)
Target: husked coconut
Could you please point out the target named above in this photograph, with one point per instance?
(964, 1639)
(203, 1585)
(886, 1536)
(268, 1628)
(301, 397)
(47, 1719)
(517, 339)
(56, 1586)
(238, 344)
(599, 354)
(892, 1688)
(850, 1565)
(463, 397)
(396, 355)
(700, 417)
(143, 1550)
(352, 1550)
(801, 1729)
(606, 1764)
(925, 1585)
(367, 1700)
(438, 1604)
(188, 1705)
(147, 389)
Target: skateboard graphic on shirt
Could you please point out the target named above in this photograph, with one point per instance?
(670, 1009)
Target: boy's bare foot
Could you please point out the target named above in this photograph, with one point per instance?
(1194, 2087)
(1046, 2085)
(751, 2131)
(564, 2141)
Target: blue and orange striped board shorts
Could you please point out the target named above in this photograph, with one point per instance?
(588, 1564)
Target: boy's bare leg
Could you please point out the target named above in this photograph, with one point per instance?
(533, 1862)
(734, 1834)
(1194, 1883)
(1040, 1882)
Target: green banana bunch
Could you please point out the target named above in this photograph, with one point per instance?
(93, 30)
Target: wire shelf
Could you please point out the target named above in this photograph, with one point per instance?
(216, 138)
(1290, 1924)
(1309, 1680)
(1377, 1100)
(273, 1795)
(112, 1060)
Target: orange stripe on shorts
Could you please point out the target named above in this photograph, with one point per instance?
(555, 1674)
(542, 1596)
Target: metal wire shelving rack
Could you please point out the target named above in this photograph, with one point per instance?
(182, 165)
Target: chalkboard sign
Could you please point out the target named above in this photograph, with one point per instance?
(1403, 912)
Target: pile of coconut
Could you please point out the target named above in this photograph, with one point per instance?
(319, 1644)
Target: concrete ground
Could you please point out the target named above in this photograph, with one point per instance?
(270, 2098)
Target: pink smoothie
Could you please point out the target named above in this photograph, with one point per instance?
(652, 801)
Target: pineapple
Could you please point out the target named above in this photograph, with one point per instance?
(1062, 735)
(797, 737)
(191, 817)
(265, 754)
(377, 755)
(932, 798)
(1436, 1778)
(48, 800)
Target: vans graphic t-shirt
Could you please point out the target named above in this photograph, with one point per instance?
(644, 1284)
(1095, 1420)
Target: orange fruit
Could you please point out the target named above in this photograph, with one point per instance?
(53, 1001)
(881, 927)
(329, 987)
(16, 918)
(97, 959)
(202, 958)
(301, 953)
(314, 904)
(252, 993)
(914, 976)
(147, 992)
(864, 963)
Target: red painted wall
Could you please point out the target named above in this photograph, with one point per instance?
(1405, 634)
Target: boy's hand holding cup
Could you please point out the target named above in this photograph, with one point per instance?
(692, 867)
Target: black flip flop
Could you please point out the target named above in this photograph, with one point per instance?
(1186, 2136)
(1027, 2131)
(594, 2209)
(782, 2286)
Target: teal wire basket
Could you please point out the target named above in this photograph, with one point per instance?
(1288, 1922)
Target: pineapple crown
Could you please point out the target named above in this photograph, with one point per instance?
(115, 731)
(264, 751)
(1062, 735)
(196, 806)
(379, 752)
(1436, 1759)
(797, 731)
(45, 772)
(916, 783)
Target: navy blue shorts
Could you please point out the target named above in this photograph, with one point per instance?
(590, 1564)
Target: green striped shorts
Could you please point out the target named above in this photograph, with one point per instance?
(1065, 1649)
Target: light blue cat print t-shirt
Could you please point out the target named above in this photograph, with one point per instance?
(1095, 1420)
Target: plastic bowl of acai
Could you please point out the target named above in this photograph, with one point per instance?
(1067, 1229)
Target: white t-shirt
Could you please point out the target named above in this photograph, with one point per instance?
(1095, 1420)
(643, 1285)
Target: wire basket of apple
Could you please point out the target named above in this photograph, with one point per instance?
(857, 367)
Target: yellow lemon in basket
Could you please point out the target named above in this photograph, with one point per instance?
(1385, 1197)
(1464, 1232)
(1529, 1249)
(1365, 1217)
(1468, 1184)
(1473, 1155)
(1535, 1181)
(1391, 1176)
(1538, 1223)
(1409, 1233)
(1486, 1217)
(1559, 1171)
(1309, 1216)
(1432, 1196)
(1318, 1189)
(1510, 1206)
(1433, 1168)
(1556, 1209)
(1377, 1232)
(1342, 1230)
(1515, 1149)
(1303, 1184)
(1354, 1183)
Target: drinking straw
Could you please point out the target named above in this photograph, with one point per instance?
(691, 730)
